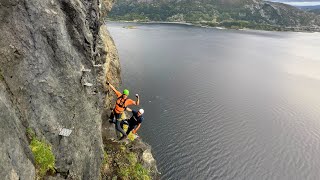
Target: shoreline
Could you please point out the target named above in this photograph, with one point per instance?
(285, 29)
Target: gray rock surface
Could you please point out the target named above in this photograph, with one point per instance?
(44, 47)
(15, 156)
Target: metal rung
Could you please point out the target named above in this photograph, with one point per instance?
(86, 70)
(65, 132)
(88, 84)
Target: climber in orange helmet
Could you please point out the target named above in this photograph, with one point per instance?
(121, 104)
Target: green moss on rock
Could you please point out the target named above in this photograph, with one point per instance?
(123, 162)
(43, 155)
(131, 169)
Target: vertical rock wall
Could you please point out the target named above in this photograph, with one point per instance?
(53, 63)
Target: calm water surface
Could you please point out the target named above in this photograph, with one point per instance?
(225, 104)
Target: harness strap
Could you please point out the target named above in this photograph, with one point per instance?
(121, 104)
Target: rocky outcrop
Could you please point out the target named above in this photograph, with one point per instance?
(53, 63)
(128, 160)
(120, 154)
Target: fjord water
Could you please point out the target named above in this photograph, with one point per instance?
(225, 104)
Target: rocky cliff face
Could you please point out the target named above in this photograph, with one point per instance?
(53, 63)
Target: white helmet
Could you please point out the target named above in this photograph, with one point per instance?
(141, 111)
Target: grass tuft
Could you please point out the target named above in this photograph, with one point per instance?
(141, 173)
(42, 152)
(105, 157)
(133, 169)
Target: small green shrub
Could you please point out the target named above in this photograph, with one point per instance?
(42, 152)
(132, 158)
(43, 155)
(140, 173)
(133, 169)
(124, 172)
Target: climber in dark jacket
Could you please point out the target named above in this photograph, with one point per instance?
(134, 122)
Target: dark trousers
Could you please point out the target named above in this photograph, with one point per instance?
(115, 118)
(119, 128)
(130, 126)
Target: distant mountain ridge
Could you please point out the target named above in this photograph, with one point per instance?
(316, 11)
(256, 14)
(309, 7)
(313, 9)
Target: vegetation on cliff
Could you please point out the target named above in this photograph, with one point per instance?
(43, 155)
(131, 159)
(124, 161)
